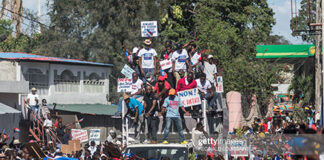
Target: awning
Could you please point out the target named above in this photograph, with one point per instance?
(285, 51)
(93, 109)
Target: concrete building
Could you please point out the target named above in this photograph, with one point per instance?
(60, 80)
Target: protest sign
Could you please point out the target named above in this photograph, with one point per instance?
(166, 64)
(190, 97)
(73, 146)
(124, 85)
(149, 29)
(238, 148)
(219, 87)
(79, 134)
(95, 136)
(127, 71)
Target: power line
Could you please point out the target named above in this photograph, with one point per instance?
(24, 17)
(28, 25)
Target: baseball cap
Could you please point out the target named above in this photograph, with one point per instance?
(172, 91)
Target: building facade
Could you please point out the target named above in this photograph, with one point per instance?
(58, 80)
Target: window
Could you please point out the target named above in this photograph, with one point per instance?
(94, 84)
(38, 80)
(66, 82)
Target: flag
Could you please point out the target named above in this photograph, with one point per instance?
(16, 130)
(81, 120)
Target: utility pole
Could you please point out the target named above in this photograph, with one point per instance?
(317, 58)
(322, 105)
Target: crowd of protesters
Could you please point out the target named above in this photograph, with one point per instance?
(154, 95)
(154, 91)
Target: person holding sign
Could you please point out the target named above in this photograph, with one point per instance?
(167, 55)
(147, 59)
(180, 60)
(136, 92)
(205, 90)
(171, 107)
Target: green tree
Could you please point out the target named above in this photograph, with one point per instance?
(19, 43)
(275, 40)
(232, 30)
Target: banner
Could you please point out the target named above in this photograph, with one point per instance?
(79, 134)
(149, 29)
(124, 85)
(95, 136)
(219, 88)
(127, 71)
(166, 64)
(190, 97)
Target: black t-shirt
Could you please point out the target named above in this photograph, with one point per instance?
(149, 103)
(60, 133)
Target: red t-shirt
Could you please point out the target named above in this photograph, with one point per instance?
(166, 85)
(183, 84)
(265, 126)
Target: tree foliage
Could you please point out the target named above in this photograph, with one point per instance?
(300, 24)
(232, 30)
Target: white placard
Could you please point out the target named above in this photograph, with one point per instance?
(238, 148)
(124, 85)
(219, 88)
(95, 136)
(166, 64)
(79, 134)
(149, 29)
(190, 97)
(127, 71)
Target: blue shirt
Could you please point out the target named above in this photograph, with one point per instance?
(133, 103)
(172, 106)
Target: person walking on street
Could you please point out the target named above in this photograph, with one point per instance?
(171, 107)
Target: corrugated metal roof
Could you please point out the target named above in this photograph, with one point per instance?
(93, 109)
(33, 57)
(6, 109)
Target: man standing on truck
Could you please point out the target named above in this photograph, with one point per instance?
(171, 107)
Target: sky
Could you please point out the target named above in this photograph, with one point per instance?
(281, 9)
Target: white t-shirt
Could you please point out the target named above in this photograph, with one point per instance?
(210, 70)
(136, 86)
(180, 59)
(31, 97)
(195, 58)
(48, 123)
(147, 57)
(203, 88)
(92, 149)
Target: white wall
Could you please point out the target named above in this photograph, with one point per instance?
(7, 70)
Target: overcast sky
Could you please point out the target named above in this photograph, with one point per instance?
(280, 7)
